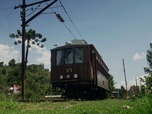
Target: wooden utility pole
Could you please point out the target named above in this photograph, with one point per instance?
(125, 77)
(24, 23)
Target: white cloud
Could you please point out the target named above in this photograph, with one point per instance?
(37, 55)
(8, 53)
(139, 56)
(42, 55)
(131, 82)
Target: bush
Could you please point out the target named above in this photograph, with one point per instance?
(133, 98)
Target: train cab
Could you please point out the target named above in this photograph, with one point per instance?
(77, 67)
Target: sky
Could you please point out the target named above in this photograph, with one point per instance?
(119, 29)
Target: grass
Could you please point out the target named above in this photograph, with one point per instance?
(109, 106)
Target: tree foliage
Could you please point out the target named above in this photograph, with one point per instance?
(31, 38)
(1, 64)
(122, 92)
(12, 62)
(111, 84)
(37, 82)
(148, 70)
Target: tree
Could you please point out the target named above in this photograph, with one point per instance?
(12, 62)
(111, 84)
(143, 89)
(4, 72)
(31, 37)
(14, 75)
(148, 70)
(122, 92)
(1, 64)
(37, 81)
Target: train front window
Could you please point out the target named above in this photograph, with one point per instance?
(59, 58)
(78, 55)
(68, 56)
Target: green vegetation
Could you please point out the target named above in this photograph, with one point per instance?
(37, 85)
(148, 70)
(37, 81)
(109, 106)
(31, 37)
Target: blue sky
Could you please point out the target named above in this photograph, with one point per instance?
(117, 28)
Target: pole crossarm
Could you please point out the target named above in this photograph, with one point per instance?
(34, 16)
(20, 6)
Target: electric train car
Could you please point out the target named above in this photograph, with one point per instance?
(79, 71)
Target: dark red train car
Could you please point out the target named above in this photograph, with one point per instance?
(78, 69)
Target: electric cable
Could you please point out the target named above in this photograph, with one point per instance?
(10, 8)
(70, 19)
(64, 23)
(69, 30)
(34, 10)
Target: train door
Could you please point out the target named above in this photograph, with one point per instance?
(94, 65)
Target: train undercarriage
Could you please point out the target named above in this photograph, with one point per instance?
(83, 92)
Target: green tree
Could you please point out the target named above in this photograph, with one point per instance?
(14, 75)
(37, 81)
(12, 62)
(111, 84)
(148, 70)
(1, 64)
(31, 37)
(143, 89)
(3, 78)
(122, 92)
(4, 72)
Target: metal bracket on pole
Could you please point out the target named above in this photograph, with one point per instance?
(26, 22)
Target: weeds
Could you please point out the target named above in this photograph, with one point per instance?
(110, 106)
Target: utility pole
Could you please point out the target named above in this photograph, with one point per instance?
(125, 77)
(24, 23)
(23, 46)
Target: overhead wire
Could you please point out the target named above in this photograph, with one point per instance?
(69, 30)
(70, 19)
(6, 9)
(10, 8)
(63, 23)
(33, 10)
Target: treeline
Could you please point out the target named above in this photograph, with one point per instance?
(37, 80)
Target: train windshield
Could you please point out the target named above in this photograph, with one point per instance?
(78, 55)
(59, 58)
(68, 56)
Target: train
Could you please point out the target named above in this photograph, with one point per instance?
(78, 71)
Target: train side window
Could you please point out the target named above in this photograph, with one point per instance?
(68, 56)
(59, 58)
(78, 55)
(91, 56)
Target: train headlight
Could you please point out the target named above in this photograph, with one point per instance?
(75, 75)
(61, 77)
(68, 76)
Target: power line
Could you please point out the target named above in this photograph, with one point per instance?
(10, 8)
(33, 10)
(65, 25)
(70, 19)
(6, 9)
(63, 22)
(69, 30)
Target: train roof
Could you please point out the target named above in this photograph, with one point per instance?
(75, 42)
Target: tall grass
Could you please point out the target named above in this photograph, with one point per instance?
(109, 106)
